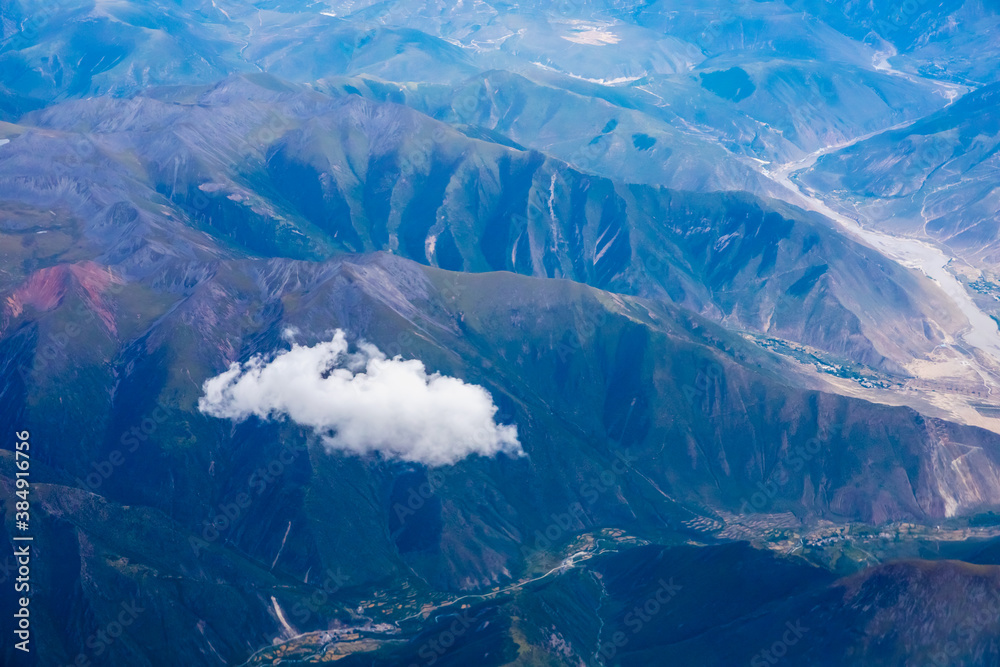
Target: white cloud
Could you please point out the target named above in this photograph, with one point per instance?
(362, 402)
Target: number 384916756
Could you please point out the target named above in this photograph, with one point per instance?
(23, 463)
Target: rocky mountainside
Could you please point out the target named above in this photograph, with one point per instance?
(595, 333)
(632, 415)
(270, 169)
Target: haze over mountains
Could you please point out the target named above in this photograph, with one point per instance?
(716, 281)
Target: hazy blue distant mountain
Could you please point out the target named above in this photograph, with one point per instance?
(935, 178)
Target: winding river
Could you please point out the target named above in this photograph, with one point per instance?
(982, 332)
